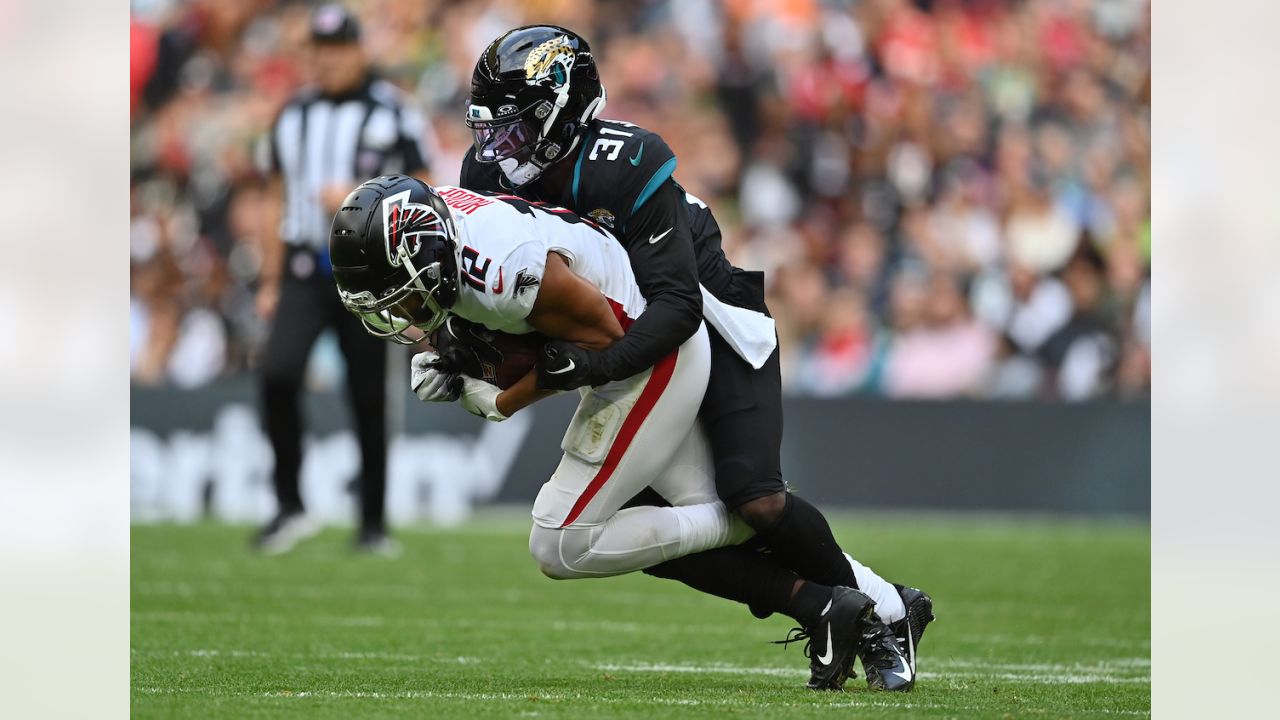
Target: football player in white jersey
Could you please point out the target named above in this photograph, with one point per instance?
(406, 256)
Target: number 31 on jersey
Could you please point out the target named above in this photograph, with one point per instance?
(612, 147)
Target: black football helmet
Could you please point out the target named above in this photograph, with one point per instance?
(533, 91)
(392, 247)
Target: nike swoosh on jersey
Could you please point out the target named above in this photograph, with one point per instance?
(497, 286)
(655, 238)
(562, 370)
(825, 658)
(635, 159)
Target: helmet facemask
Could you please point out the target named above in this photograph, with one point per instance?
(400, 311)
(411, 310)
(521, 144)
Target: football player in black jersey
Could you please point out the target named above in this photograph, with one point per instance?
(536, 98)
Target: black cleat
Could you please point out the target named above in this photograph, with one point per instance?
(911, 628)
(884, 660)
(833, 645)
(889, 656)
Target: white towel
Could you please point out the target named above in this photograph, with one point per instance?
(751, 334)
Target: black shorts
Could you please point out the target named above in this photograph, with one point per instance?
(742, 416)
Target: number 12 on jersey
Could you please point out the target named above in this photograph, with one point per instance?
(473, 273)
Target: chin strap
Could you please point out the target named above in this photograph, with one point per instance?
(595, 107)
(517, 173)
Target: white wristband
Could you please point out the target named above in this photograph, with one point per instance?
(480, 398)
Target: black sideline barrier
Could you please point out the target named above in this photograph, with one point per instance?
(1090, 458)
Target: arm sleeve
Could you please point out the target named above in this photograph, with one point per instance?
(666, 272)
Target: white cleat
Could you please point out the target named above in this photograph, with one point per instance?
(284, 532)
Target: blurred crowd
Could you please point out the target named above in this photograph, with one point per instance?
(951, 198)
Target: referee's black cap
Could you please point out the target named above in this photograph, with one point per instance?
(334, 24)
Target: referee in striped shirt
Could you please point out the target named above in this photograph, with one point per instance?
(349, 127)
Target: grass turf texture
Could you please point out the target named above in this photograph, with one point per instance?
(1035, 620)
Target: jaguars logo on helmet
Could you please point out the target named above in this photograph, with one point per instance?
(551, 60)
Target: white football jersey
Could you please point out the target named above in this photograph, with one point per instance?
(502, 246)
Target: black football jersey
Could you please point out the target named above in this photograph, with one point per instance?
(619, 168)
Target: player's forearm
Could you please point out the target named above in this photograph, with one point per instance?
(660, 246)
(521, 395)
(664, 326)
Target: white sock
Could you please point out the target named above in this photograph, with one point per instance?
(888, 602)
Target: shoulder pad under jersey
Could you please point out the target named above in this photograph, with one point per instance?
(620, 167)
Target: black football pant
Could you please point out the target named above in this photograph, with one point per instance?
(742, 416)
(307, 306)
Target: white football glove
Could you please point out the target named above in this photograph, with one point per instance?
(429, 382)
(480, 398)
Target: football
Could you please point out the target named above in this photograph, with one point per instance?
(519, 352)
(495, 357)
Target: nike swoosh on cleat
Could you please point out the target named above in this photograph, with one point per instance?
(562, 370)
(635, 159)
(911, 647)
(825, 658)
(655, 238)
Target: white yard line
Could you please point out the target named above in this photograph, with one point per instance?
(860, 702)
(322, 655)
(1062, 640)
(628, 628)
(1113, 671)
(1130, 665)
(1058, 678)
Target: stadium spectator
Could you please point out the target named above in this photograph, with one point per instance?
(976, 140)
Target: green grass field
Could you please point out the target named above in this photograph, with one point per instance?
(1042, 619)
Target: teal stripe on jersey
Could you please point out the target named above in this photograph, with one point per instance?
(577, 168)
(659, 177)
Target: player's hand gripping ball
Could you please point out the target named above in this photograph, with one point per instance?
(497, 358)
(430, 381)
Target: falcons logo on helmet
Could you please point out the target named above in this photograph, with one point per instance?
(405, 223)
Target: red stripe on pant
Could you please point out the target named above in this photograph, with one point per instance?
(619, 313)
(653, 389)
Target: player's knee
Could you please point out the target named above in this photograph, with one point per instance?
(544, 546)
(764, 512)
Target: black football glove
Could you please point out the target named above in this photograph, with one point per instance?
(466, 348)
(564, 366)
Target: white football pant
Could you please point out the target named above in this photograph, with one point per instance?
(625, 436)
